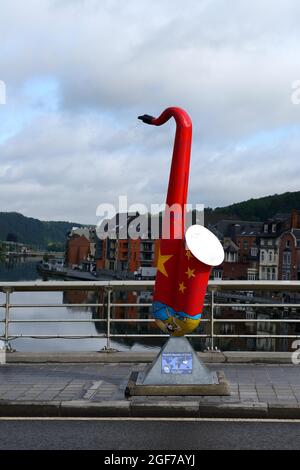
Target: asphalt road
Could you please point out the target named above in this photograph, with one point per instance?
(147, 434)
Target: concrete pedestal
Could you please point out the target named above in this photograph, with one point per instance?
(177, 370)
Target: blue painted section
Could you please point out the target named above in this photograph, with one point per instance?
(162, 312)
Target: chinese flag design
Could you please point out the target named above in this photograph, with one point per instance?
(181, 279)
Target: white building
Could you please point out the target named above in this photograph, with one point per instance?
(269, 251)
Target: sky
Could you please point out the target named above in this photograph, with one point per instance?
(79, 72)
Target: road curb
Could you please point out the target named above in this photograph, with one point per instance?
(29, 409)
(149, 409)
(283, 411)
(234, 410)
(157, 409)
(120, 408)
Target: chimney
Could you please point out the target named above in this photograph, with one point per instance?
(294, 219)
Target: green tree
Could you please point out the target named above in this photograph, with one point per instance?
(12, 237)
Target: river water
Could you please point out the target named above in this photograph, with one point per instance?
(24, 269)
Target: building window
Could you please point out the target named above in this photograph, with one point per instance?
(230, 257)
(270, 256)
(269, 274)
(253, 251)
(287, 258)
(274, 228)
(262, 255)
(217, 274)
(288, 244)
(266, 228)
(245, 244)
(270, 242)
(264, 273)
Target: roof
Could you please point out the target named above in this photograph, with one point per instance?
(234, 228)
(231, 249)
(296, 232)
(279, 217)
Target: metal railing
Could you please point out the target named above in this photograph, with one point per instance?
(228, 289)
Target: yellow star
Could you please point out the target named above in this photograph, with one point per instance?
(190, 273)
(162, 259)
(182, 287)
(188, 254)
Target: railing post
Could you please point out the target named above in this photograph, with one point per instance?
(212, 308)
(6, 322)
(108, 317)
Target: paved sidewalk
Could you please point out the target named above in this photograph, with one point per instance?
(257, 390)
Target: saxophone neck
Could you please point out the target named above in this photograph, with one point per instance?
(181, 117)
(179, 174)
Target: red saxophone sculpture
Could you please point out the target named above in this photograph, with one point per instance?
(185, 258)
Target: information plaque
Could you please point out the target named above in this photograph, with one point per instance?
(177, 363)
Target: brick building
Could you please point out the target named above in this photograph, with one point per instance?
(240, 242)
(78, 250)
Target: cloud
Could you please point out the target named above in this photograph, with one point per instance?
(79, 72)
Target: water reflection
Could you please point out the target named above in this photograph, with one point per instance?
(21, 268)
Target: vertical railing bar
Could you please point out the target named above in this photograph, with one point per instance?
(212, 307)
(7, 311)
(108, 342)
